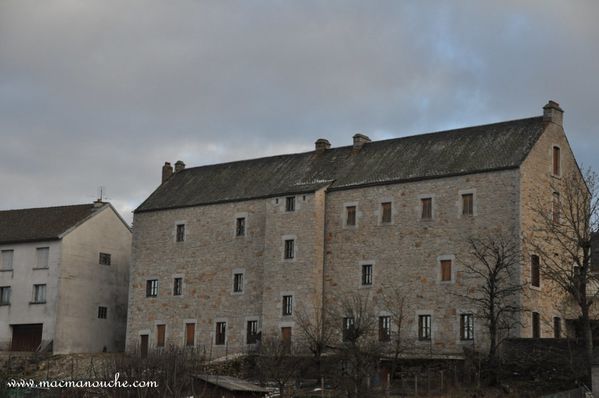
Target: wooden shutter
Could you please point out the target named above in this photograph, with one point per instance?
(445, 270)
(190, 331)
(160, 334)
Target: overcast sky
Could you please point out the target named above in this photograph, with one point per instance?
(102, 93)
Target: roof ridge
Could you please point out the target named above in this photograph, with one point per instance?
(372, 142)
(50, 207)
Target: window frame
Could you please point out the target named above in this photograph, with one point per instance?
(4, 253)
(557, 327)
(384, 328)
(290, 204)
(386, 212)
(220, 335)
(556, 161)
(353, 211)
(287, 305)
(180, 232)
(178, 286)
(466, 326)
(535, 271)
(425, 327)
(251, 335)
(102, 312)
(536, 325)
(289, 249)
(240, 223)
(238, 285)
(152, 287)
(468, 204)
(429, 214)
(348, 328)
(5, 292)
(105, 258)
(367, 274)
(38, 251)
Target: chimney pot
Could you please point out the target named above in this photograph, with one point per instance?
(167, 171)
(359, 141)
(553, 113)
(179, 165)
(322, 145)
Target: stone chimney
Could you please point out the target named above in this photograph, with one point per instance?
(167, 171)
(359, 141)
(322, 145)
(553, 113)
(98, 203)
(179, 165)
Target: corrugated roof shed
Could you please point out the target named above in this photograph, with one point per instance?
(463, 151)
(43, 223)
(232, 383)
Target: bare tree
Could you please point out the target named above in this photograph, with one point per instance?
(562, 239)
(493, 271)
(395, 302)
(359, 349)
(276, 361)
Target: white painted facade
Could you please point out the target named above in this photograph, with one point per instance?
(76, 285)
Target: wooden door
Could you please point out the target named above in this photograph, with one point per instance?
(143, 347)
(286, 337)
(190, 331)
(26, 337)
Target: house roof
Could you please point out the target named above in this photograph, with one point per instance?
(42, 223)
(231, 383)
(455, 152)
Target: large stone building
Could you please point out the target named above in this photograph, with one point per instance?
(64, 275)
(224, 251)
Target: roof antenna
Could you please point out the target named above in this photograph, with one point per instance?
(101, 195)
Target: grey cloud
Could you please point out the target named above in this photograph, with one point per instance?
(102, 92)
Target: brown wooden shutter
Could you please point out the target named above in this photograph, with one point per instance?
(190, 331)
(160, 334)
(445, 270)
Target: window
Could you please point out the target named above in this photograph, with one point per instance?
(152, 288)
(384, 328)
(190, 334)
(350, 219)
(180, 232)
(6, 259)
(556, 161)
(290, 203)
(287, 305)
(367, 275)
(160, 335)
(5, 295)
(446, 271)
(39, 293)
(348, 328)
(427, 208)
(424, 327)
(42, 257)
(105, 259)
(468, 204)
(289, 249)
(386, 212)
(102, 312)
(238, 283)
(557, 327)
(536, 325)
(535, 271)
(177, 286)
(221, 333)
(466, 327)
(252, 332)
(556, 208)
(240, 227)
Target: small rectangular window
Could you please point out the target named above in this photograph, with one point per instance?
(536, 325)
(466, 327)
(177, 286)
(556, 208)
(386, 212)
(102, 312)
(384, 328)
(238, 283)
(190, 333)
(180, 232)
(366, 274)
(287, 305)
(557, 328)
(424, 327)
(290, 203)
(240, 227)
(348, 330)
(42, 257)
(350, 219)
(289, 249)
(427, 208)
(39, 293)
(252, 332)
(160, 335)
(221, 333)
(105, 259)
(5, 295)
(556, 161)
(535, 271)
(468, 204)
(152, 288)
(6, 259)
(446, 271)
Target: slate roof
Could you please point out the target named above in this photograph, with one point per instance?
(43, 223)
(455, 152)
(231, 383)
